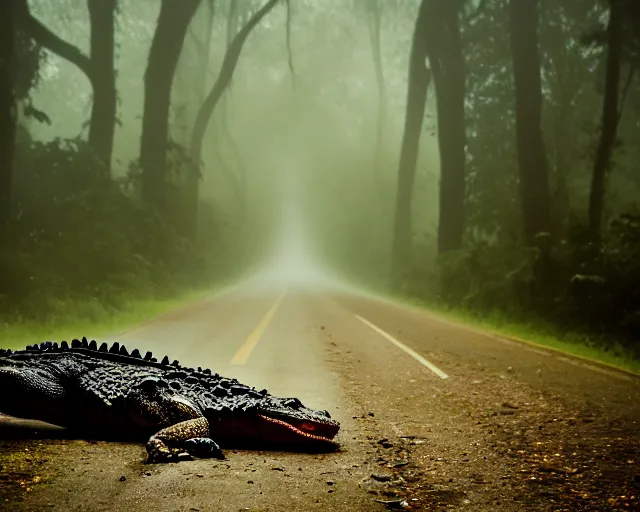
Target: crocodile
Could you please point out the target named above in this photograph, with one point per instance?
(181, 412)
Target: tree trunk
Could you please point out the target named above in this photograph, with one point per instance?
(192, 181)
(7, 110)
(231, 57)
(609, 121)
(532, 158)
(419, 78)
(374, 14)
(103, 78)
(166, 47)
(561, 207)
(99, 69)
(447, 65)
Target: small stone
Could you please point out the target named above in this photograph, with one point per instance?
(330, 482)
(371, 414)
(381, 478)
(249, 481)
(123, 478)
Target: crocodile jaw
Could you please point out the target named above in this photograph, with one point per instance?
(262, 429)
(300, 432)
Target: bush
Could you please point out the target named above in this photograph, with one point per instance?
(77, 234)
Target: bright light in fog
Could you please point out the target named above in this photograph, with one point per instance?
(291, 260)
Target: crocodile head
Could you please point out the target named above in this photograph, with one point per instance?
(280, 422)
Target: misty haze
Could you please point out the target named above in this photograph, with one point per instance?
(338, 255)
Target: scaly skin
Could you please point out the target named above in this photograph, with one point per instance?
(109, 392)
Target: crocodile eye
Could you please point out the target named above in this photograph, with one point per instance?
(148, 384)
(294, 403)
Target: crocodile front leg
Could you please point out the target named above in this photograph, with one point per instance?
(182, 427)
(190, 436)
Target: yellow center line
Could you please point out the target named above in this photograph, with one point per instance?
(245, 350)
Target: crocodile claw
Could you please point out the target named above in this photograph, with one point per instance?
(203, 448)
(158, 453)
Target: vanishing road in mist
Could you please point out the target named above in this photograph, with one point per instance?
(434, 416)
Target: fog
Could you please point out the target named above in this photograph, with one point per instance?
(316, 204)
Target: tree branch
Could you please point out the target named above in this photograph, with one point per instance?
(47, 39)
(625, 91)
(289, 51)
(479, 10)
(227, 68)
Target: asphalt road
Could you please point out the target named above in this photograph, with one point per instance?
(434, 416)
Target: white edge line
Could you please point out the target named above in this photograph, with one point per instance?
(404, 348)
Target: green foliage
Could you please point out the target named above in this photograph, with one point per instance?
(80, 236)
(29, 57)
(563, 282)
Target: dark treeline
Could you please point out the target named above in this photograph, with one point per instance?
(538, 213)
(75, 232)
(537, 125)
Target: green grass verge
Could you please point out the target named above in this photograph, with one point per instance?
(547, 336)
(93, 320)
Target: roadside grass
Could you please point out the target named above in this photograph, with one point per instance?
(536, 333)
(92, 319)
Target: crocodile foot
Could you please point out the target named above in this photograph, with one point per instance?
(181, 441)
(158, 452)
(203, 448)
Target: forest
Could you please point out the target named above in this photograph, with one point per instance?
(477, 156)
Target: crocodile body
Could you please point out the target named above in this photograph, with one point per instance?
(181, 412)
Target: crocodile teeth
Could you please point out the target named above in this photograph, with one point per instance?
(115, 348)
(123, 351)
(64, 345)
(104, 347)
(75, 343)
(136, 354)
(85, 343)
(93, 345)
(165, 360)
(175, 363)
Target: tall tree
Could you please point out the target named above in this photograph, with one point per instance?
(166, 46)
(419, 79)
(7, 109)
(609, 126)
(532, 157)
(99, 67)
(227, 68)
(373, 16)
(103, 77)
(192, 180)
(446, 60)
